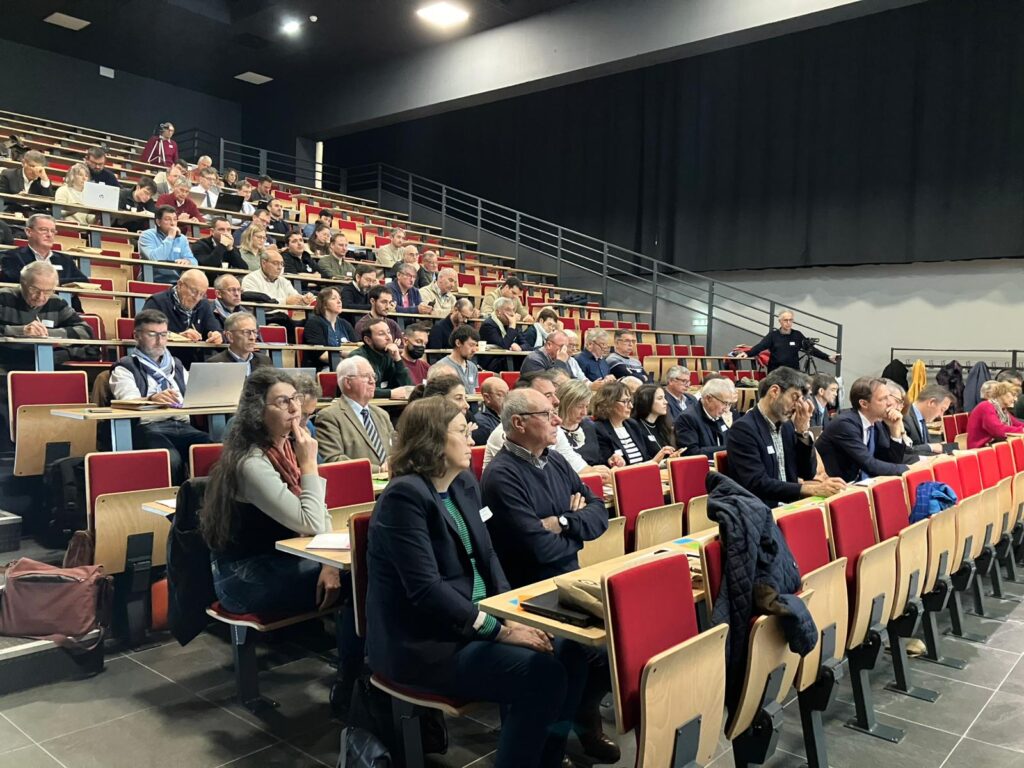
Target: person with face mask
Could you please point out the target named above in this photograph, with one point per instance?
(414, 350)
(325, 327)
(771, 447)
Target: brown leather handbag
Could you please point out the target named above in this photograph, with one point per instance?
(62, 605)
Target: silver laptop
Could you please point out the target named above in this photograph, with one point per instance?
(214, 385)
(101, 196)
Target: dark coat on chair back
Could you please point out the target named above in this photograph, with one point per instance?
(753, 466)
(699, 434)
(844, 453)
(420, 580)
(759, 576)
(189, 578)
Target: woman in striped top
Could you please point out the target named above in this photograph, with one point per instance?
(430, 562)
(620, 435)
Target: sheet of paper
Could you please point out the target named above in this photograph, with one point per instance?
(169, 502)
(329, 541)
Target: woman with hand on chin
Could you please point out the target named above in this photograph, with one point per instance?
(430, 562)
(264, 488)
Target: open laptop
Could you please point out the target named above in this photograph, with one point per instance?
(101, 196)
(214, 385)
(229, 201)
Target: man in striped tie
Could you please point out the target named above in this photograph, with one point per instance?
(351, 427)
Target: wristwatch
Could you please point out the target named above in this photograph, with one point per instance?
(563, 521)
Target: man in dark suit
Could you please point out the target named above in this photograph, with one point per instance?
(40, 229)
(188, 313)
(30, 179)
(824, 391)
(702, 429)
(241, 334)
(219, 249)
(677, 391)
(867, 440)
(499, 330)
(931, 403)
(771, 449)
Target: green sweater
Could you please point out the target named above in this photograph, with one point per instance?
(390, 373)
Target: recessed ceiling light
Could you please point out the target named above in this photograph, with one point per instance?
(253, 77)
(68, 22)
(443, 14)
(314, 19)
(291, 26)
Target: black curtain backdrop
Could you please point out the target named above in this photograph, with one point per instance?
(894, 138)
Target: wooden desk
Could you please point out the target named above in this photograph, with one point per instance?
(506, 605)
(335, 558)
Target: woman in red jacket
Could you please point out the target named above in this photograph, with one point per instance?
(991, 420)
(161, 148)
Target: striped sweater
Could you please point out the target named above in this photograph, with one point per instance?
(61, 320)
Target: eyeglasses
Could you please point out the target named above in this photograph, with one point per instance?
(626, 401)
(231, 290)
(368, 376)
(249, 333)
(284, 403)
(548, 415)
(723, 402)
(465, 431)
(33, 291)
(152, 335)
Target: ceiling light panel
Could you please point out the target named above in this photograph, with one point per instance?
(443, 14)
(68, 22)
(253, 77)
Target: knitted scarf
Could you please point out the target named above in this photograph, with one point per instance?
(287, 467)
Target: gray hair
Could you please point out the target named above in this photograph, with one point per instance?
(78, 169)
(632, 383)
(235, 319)
(182, 182)
(517, 402)
(306, 385)
(405, 268)
(350, 366)
(222, 279)
(448, 271)
(595, 334)
(34, 268)
(464, 305)
(721, 388)
(34, 157)
(785, 312)
(571, 334)
(677, 372)
(502, 304)
(35, 218)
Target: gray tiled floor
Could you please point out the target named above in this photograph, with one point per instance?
(163, 705)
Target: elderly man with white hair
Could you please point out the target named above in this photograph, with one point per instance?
(441, 293)
(702, 429)
(351, 427)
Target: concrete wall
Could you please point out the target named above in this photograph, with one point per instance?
(953, 305)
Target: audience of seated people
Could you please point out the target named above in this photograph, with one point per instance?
(268, 285)
(352, 427)
(771, 446)
(441, 331)
(137, 199)
(463, 344)
(188, 312)
(650, 411)
(499, 330)
(440, 294)
(264, 190)
(70, 193)
(405, 294)
(277, 225)
(151, 372)
(241, 335)
(178, 199)
(30, 179)
(574, 399)
(931, 403)
(390, 254)
(427, 273)
(991, 420)
(229, 297)
(336, 263)
(511, 288)
(620, 437)
(40, 230)
(592, 360)
(866, 440)
(356, 295)
(325, 327)
(414, 349)
(621, 362)
(297, 260)
(166, 242)
(487, 417)
(545, 324)
(701, 429)
(677, 391)
(96, 162)
(424, 626)
(205, 190)
(218, 248)
(325, 217)
(319, 243)
(444, 383)
(252, 236)
(164, 180)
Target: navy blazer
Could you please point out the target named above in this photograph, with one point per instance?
(698, 434)
(491, 333)
(756, 469)
(592, 368)
(420, 580)
(608, 442)
(203, 319)
(14, 260)
(844, 453)
(414, 297)
(675, 410)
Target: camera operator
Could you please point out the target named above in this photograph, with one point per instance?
(785, 345)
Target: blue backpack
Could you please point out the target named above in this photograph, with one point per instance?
(931, 499)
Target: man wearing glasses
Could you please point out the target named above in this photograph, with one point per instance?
(229, 297)
(241, 334)
(40, 231)
(702, 429)
(151, 373)
(188, 313)
(592, 359)
(351, 427)
(622, 362)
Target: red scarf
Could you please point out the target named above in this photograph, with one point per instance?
(287, 467)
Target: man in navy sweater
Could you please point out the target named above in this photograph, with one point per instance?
(541, 515)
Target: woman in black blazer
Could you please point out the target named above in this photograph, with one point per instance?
(325, 327)
(430, 561)
(618, 434)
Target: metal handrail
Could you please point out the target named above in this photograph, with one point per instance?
(604, 264)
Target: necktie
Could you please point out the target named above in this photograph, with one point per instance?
(371, 432)
(924, 431)
(871, 450)
(208, 199)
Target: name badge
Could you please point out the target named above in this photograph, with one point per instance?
(48, 323)
(771, 450)
(723, 427)
(485, 514)
(58, 267)
(651, 438)
(792, 343)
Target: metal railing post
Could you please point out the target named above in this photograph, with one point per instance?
(558, 257)
(408, 177)
(604, 273)
(771, 315)
(444, 203)
(839, 349)
(263, 162)
(221, 163)
(380, 182)
(711, 318)
(654, 295)
(518, 222)
(479, 219)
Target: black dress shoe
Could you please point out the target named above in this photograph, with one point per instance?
(599, 747)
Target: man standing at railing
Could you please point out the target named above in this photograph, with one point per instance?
(785, 345)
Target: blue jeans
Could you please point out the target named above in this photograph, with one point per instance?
(538, 693)
(274, 582)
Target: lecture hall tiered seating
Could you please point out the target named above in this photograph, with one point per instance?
(870, 579)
